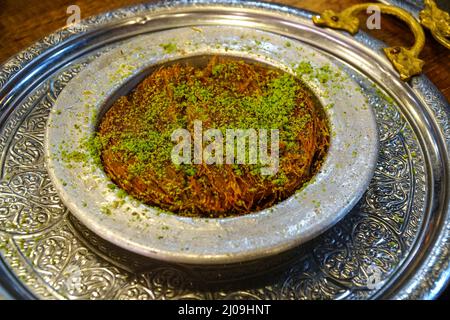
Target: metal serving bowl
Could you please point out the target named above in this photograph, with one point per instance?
(84, 187)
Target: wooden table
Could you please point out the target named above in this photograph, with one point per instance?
(22, 22)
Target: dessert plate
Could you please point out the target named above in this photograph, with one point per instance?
(86, 190)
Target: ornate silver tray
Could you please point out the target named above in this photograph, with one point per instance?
(415, 6)
(393, 244)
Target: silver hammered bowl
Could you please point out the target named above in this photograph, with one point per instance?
(85, 188)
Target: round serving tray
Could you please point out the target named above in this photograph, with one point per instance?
(393, 244)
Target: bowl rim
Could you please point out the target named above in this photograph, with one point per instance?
(251, 252)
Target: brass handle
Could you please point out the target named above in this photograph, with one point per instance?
(405, 60)
(437, 21)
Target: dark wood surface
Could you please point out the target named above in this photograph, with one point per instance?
(22, 22)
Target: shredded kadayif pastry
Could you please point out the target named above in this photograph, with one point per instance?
(136, 145)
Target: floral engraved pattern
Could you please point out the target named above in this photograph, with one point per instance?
(58, 258)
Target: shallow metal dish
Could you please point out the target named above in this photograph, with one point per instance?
(338, 186)
(399, 231)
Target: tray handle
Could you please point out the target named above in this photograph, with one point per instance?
(437, 21)
(404, 60)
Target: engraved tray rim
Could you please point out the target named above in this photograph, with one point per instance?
(434, 271)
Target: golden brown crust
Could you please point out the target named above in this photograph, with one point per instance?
(212, 190)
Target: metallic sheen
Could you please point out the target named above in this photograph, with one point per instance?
(405, 60)
(401, 226)
(86, 190)
(438, 21)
